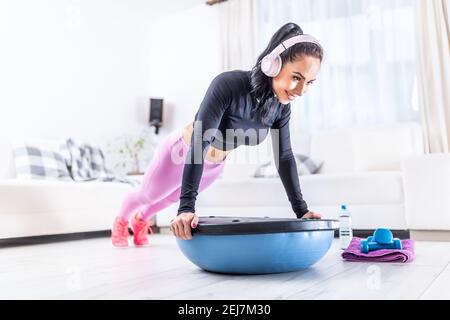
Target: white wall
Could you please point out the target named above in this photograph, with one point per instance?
(185, 60)
(87, 68)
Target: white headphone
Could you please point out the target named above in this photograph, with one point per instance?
(271, 63)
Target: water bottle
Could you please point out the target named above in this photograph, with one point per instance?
(345, 227)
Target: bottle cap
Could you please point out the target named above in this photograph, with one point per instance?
(343, 206)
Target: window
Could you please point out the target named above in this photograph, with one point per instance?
(368, 74)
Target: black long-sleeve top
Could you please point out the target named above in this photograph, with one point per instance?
(228, 104)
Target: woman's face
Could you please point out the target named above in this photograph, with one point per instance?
(295, 78)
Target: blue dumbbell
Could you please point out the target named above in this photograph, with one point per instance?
(382, 239)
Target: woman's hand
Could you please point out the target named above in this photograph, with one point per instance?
(311, 215)
(182, 224)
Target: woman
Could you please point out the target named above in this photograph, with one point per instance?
(236, 101)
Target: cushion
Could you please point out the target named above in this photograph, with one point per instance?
(335, 149)
(382, 150)
(87, 163)
(40, 159)
(305, 166)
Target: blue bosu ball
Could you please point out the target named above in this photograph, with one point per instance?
(238, 245)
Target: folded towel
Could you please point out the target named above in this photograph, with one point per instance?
(353, 253)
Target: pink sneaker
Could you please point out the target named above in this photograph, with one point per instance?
(140, 230)
(119, 233)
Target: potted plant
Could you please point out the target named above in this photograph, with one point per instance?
(132, 149)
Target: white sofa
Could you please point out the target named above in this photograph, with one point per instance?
(362, 168)
(35, 207)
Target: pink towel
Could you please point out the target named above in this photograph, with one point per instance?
(353, 253)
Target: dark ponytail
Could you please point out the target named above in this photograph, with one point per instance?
(265, 101)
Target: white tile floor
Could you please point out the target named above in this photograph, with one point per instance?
(92, 269)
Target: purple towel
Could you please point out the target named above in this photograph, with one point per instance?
(353, 252)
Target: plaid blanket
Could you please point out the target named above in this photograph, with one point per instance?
(86, 163)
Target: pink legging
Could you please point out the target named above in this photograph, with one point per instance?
(161, 184)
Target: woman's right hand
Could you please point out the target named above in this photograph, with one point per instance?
(182, 224)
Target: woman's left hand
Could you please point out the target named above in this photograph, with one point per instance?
(311, 215)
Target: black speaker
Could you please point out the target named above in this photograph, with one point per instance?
(156, 113)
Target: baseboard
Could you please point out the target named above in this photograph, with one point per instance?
(430, 235)
(27, 241)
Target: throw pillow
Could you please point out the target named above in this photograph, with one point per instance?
(40, 159)
(305, 166)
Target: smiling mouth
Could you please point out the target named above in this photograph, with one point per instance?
(290, 97)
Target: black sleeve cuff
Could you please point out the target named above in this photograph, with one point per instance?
(301, 213)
